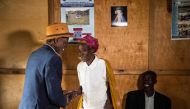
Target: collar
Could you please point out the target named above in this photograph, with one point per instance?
(93, 64)
(150, 96)
(53, 49)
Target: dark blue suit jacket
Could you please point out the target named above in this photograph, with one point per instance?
(136, 100)
(42, 88)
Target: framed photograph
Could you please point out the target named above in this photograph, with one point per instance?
(79, 15)
(118, 16)
(180, 19)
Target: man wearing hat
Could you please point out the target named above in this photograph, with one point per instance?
(42, 88)
(94, 77)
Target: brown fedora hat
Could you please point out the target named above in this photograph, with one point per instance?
(57, 30)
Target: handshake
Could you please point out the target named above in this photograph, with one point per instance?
(71, 94)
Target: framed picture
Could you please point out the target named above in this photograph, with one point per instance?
(118, 16)
(180, 19)
(79, 15)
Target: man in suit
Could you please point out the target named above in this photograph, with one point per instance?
(147, 98)
(42, 88)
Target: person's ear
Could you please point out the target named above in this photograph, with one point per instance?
(56, 40)
(155, 81)
(52, 42)
(92, 50)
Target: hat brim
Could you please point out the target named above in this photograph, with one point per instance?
(55, 36)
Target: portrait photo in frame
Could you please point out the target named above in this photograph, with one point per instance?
(119, 16)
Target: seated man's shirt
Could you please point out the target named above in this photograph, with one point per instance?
(149, 101)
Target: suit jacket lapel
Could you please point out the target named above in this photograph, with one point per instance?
(49, 48)
(142, 100)
(156, 104)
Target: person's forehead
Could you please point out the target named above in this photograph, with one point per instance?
(148, 76)
(83, 45)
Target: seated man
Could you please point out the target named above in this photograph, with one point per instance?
(147, 98)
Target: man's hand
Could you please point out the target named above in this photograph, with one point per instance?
(70, 95)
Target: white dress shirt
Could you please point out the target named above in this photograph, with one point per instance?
(92, 78)
(149, 101)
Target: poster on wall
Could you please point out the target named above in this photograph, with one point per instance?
(79, 15)
(180, 19)
(118, 16)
